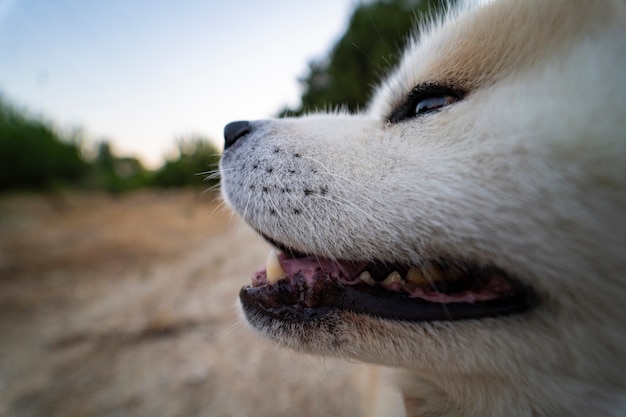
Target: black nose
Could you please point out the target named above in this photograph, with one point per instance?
(235, 131)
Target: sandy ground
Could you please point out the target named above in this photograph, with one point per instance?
(125, 306)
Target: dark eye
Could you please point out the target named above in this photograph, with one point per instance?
(433, 103)
(425, 99)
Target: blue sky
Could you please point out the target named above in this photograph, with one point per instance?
(141, 73)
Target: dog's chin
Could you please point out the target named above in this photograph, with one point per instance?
(302, 289)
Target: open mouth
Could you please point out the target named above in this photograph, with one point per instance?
(296, 286)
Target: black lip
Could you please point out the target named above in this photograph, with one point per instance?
(296, 300)
(284, 248)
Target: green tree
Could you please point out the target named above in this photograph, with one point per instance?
(117, 174)
(197, 159)
(33, 155)
(105, 161)
(370, 47)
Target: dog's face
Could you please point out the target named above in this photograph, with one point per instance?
(471, 222)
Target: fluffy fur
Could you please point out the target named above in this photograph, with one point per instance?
(526, 172)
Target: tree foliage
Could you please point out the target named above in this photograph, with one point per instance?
(33, 155)
(370, 47)
(197, 159)
(117, 174)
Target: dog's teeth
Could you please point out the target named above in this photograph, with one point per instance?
(273, 268)
(432, 272)
(416, 276)
(454, 274)
(393, 277)
(366, 277)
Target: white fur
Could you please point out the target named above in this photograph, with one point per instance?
(527, 172)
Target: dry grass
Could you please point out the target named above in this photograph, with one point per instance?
(126, 307)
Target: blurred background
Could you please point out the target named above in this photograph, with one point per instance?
(119, 265)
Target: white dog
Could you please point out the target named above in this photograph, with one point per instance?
(470, 228)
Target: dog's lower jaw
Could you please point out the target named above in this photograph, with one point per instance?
(459, 378)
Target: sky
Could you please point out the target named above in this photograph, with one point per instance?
(142, 73)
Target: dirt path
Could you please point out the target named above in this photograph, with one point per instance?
(126, 307)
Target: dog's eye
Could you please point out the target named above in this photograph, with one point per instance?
(430, 104)
(425, 99)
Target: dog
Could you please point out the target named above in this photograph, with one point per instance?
(469, 228)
